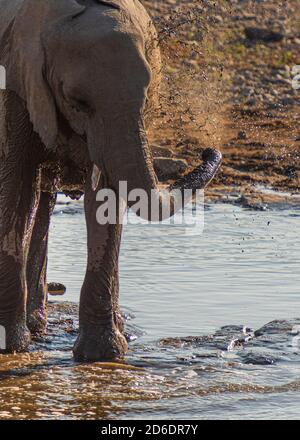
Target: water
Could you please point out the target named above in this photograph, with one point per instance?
(244, 268)
(175, 283)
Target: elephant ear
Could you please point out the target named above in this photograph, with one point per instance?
(140, 16)
(25, 61)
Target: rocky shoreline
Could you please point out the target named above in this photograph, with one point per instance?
(228, 72)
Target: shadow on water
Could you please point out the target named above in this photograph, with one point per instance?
(194, 376)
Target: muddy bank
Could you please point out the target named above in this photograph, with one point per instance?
(254, 197)
(228, 84)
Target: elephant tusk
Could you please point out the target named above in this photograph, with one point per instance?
(95, 177)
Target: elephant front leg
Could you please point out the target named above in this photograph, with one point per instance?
(100, 324)
(18, 198)
(37, 266)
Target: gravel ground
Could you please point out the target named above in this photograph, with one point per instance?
(228, 71)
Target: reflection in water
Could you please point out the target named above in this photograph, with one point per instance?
(244, 269)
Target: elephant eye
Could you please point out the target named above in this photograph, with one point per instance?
(80, 105)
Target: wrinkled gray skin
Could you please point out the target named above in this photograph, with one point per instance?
(80, 75)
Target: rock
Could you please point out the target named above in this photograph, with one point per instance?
(290, 172)
(218, 19)
(74, 195)
(252, 102)
(245, 202)
(262, 34)
(242, 135)
(246, 91)
(56, 289)
(158, 151)
(248, 16)
(287, 101)
(167, 168)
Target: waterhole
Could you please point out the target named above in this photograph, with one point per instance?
(213, 318)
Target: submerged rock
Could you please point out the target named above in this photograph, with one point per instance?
(252, 358)
(56, 289)
(278, 327)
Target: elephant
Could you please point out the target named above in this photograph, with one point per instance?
(81, 75)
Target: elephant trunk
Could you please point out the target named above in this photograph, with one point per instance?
(133, 164)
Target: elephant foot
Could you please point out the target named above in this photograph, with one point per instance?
(99, 344)
(14, 338)
(37, 322)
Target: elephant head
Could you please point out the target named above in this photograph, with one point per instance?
(95, 65)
